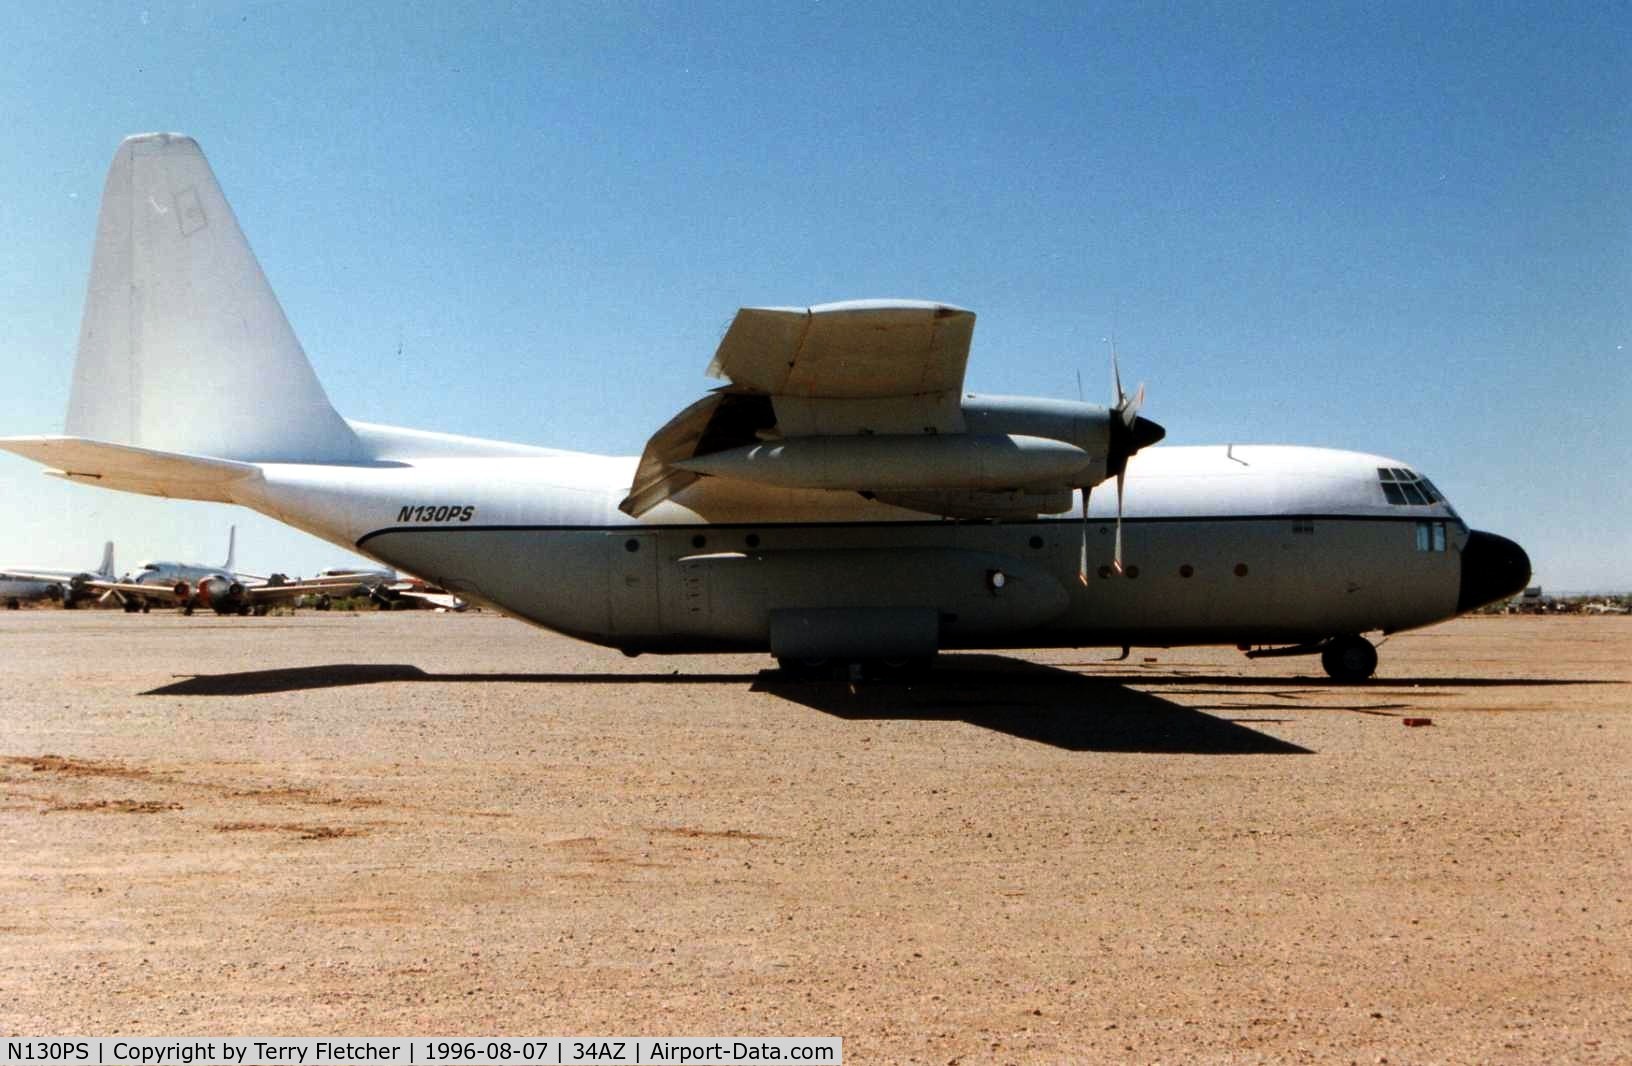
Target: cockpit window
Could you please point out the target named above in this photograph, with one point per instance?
(1406, 487)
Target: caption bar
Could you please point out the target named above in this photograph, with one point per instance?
(424, 1051)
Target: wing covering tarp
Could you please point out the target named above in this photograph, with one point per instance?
(857, 368)
(867, 366)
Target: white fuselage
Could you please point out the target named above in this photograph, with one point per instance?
(1245, 544)
(23, 588)
(167, 575)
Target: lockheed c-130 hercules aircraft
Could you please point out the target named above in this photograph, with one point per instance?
(841, 498)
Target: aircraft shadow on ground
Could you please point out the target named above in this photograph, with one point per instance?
(1258, 681)
(1046, 704)
(344, 675)
(1060, 708)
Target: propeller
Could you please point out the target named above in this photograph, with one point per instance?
(1128, 433)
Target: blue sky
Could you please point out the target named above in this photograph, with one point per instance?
(1389, 227)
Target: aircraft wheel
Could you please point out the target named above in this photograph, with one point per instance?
(14, 604)
(131, 606)
(187, 609)
(146, 607)
(1349, 658)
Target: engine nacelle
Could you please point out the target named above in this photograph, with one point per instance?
(889, 463)
(221, 594)
(1085, 425)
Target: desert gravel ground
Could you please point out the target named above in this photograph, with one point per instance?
(421, 824)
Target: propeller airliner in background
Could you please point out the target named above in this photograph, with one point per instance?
(193, 585)
(839, 498)
(22, 584)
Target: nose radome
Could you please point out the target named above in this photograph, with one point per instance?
(1493, 568)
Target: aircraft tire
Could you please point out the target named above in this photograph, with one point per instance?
(1349, 659)
(146, 607)
(14, 604)
(131, 606)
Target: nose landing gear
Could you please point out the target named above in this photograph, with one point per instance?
(1349, 658)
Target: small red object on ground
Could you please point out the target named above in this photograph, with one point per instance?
(1417, 721)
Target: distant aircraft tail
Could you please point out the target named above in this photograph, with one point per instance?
(183, 347)
(232, 550)
(106, 569)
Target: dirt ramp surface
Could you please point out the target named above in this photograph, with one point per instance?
(416, 823)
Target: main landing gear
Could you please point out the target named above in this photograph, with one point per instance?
(902, 669)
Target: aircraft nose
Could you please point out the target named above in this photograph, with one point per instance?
(1493, 568)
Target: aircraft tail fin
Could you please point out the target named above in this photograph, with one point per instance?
(183, 347)
(232, 550)
(106, 569)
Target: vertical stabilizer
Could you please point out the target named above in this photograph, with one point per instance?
(232, 550)
(183, 346)
(106, 569)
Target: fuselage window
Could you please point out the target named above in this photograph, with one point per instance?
(1430, 536)
(1403, 488)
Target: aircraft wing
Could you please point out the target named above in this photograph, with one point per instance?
(163, 593)
(293, 590)
(864, 368)
(58, 578)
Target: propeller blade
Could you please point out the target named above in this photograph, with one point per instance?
(1129, 408)
(1116, 374)
(1116, 559)
(1082, 560)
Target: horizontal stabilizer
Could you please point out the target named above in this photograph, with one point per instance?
(132, 469)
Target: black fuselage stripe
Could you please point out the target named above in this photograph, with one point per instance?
(935, 523)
